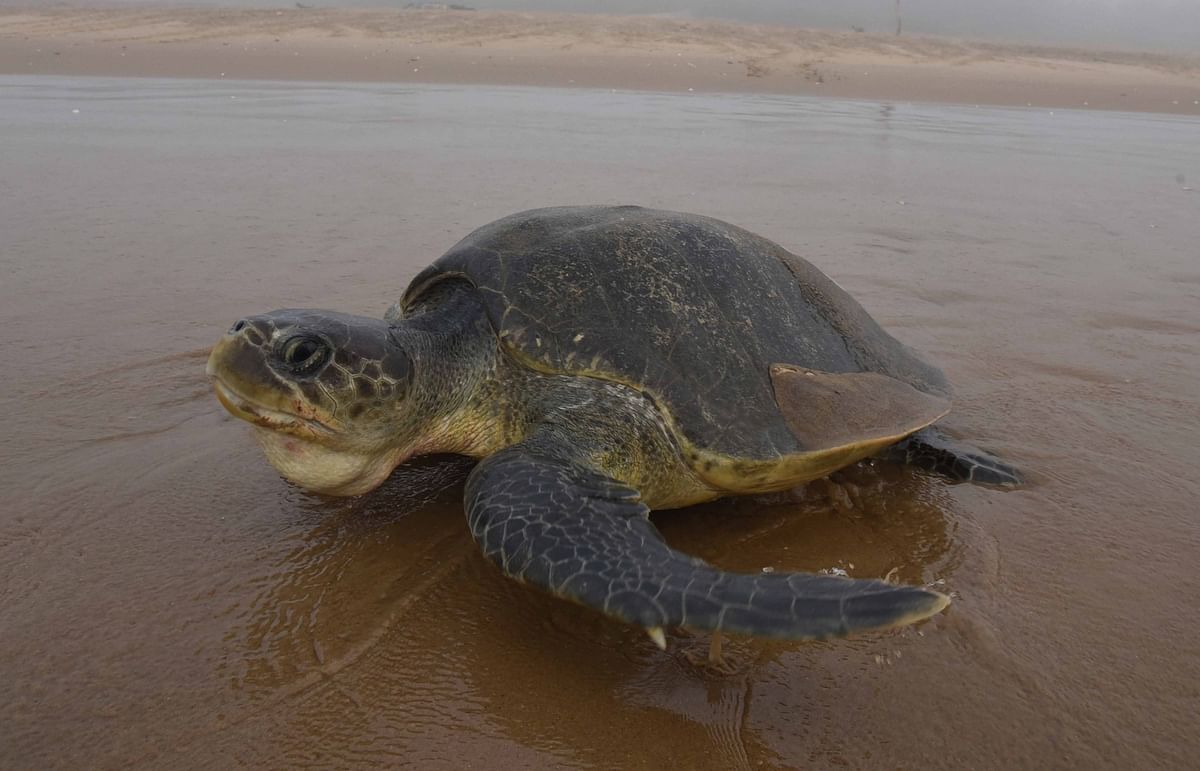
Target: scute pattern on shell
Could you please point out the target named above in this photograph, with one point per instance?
(688, 309)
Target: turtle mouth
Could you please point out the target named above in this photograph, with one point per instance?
(252, 411)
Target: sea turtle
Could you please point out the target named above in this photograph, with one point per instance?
(601, 362)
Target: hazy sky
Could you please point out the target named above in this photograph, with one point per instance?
(1155, 24)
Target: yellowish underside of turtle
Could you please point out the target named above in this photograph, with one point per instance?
(660, 462)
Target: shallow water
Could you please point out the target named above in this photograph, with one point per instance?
(166, 599)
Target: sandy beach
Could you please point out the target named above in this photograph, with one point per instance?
(610, 52)
(169, 602)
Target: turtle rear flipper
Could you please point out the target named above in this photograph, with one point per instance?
(547, 519)
(955, 459)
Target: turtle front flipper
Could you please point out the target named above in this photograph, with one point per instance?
(952, 458)
(550, 520)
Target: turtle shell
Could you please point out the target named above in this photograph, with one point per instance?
(690, 310)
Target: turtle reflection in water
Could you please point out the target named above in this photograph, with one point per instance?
(601, 362)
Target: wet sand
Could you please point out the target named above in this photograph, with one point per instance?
(563, 50)
(167, 600)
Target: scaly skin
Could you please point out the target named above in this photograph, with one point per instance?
(546, 519)
(372, 395)
(931, 450)
(458, 393)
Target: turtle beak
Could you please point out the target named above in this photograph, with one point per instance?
(239, 362)
(249, 389)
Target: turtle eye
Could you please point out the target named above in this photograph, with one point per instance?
(304, 353)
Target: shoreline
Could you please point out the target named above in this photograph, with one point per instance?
(578, 51)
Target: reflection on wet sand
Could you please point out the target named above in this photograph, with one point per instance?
(353, 574)
(389, 590)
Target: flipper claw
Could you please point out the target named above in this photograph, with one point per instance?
(539, 518)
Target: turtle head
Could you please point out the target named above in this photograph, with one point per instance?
(327, 392)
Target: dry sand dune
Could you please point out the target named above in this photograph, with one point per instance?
(644, 52)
